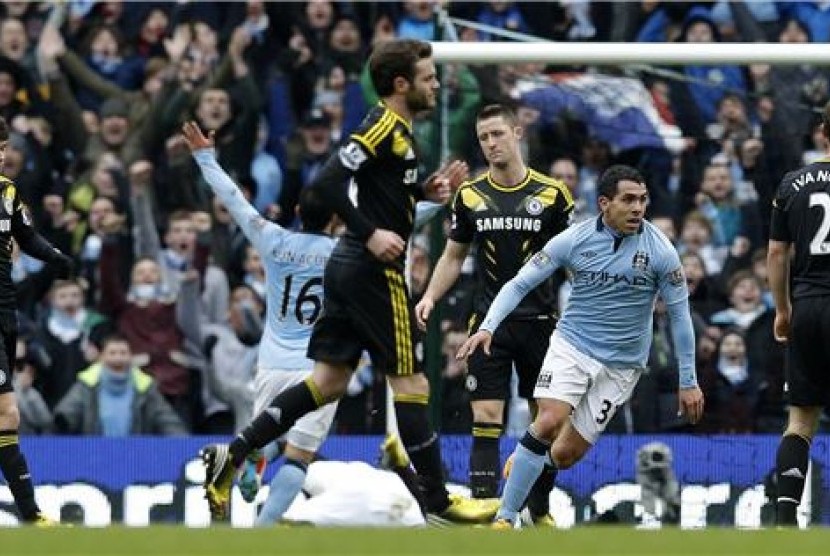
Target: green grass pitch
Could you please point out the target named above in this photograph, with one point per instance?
(224, 541)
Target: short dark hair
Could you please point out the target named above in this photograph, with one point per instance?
(314, 213)
(4, 129)
(113, 338)
(496, 110)
(396, 58)
(740, 276)
(607, 186)
(178, 215)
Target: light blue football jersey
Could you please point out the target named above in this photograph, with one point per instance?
(294, 263)
(616, 280)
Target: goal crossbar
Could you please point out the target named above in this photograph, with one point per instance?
(612, 53)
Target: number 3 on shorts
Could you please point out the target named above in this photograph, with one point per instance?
(603, 412)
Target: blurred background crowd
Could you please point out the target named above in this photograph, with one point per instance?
(96, 92)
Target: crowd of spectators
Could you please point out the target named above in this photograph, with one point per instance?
(96, 92)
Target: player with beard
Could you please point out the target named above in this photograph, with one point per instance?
(509, 213)
(367, 305)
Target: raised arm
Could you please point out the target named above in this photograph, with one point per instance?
(147, 241)
(189, 314)
(260, 232)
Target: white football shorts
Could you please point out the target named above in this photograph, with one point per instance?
(310, 431)
(593, 390)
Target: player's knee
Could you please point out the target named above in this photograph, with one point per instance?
(487, 411)
(332, 382)
(9, 416)
(548, 423)
(564, 456)
(803, 421)
(416, 384)
(298, 454)
(802, 429)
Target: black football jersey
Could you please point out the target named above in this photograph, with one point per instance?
(801, 216)
(15, 220)
(383, 156)
(508, 226)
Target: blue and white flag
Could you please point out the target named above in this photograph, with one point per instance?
(617, 110)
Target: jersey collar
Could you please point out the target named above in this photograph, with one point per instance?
(601, 226)
(406, 124)
(496, 185)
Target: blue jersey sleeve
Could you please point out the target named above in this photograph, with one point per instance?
(683, 336)
(539, 268)
(260, 232)
(673, 289)
(671, 281)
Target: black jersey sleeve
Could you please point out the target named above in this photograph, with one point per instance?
(332, 182)
(462, 229)
(30, 242)
(779, 221)
(563, 210)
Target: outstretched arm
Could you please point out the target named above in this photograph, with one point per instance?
(257, 229)
(538, 269)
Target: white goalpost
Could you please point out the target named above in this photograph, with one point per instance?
(631, 53)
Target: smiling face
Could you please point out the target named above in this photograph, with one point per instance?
(146, 271)
(625, 210)
(117, 355)
(745, 295)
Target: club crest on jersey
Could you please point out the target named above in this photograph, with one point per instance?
(401, 147)
(8, 199)
(534, 206)
(540, 259)
(675, 277)
(640, 261)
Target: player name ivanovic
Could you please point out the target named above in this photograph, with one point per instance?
(488, 223)
(809, 177)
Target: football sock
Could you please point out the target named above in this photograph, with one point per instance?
(410, 479)
(538, 501)
(484, 460)
(791, 470)
(271, 451)
(528, 462)
(13, 465)
(285, 486)
(424, 450)
(287, 407)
